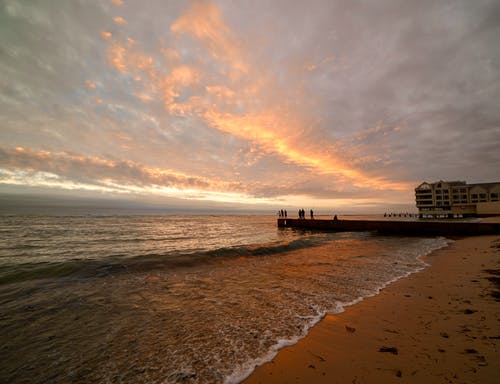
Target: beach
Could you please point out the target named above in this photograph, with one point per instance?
(440, 325)
(206, 299)
(163, 299)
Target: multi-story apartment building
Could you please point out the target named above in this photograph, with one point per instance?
(455, 198)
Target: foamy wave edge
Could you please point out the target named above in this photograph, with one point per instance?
(245, 370)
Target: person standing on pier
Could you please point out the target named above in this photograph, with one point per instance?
(312, 214)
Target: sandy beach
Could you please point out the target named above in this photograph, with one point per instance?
(441, 325)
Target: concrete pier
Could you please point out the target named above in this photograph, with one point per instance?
(407, 228)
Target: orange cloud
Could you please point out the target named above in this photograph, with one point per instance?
(90, 84)
(221, 92)
(97, 170)
(106, 35)
(117, 2)
(310, 67)
(203, 21)
(166, 87)
(119, 20)
(125, 60)
(116, 56)
(277, 133)
(180, 77)
(265, 129)
(245, 102)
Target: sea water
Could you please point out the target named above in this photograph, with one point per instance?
(167, 299)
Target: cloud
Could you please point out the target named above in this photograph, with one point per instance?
(70, 171)
(95, 170)
(119, 20)
(106, 35)
(220, 101)
(91, 84)
(269, 99)
(203, 20)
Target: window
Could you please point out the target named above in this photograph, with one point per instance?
(424, 202)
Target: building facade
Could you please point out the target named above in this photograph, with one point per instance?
(457, 198)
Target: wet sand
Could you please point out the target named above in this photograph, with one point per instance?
(441, 325)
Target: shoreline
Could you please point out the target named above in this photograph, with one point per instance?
(440, 324)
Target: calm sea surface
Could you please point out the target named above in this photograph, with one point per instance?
(167, 299)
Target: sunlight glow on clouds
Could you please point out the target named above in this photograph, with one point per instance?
(112, 176)
(119, 20)
(217, 104)
(103, 170)
(324, 103)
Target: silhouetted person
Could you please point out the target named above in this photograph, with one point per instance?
(285, 214)
(335, 218)
(312, 214)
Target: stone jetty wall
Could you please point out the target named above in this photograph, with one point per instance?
(412, 228)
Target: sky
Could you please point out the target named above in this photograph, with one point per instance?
(341, 105)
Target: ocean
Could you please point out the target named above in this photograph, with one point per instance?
(175, 298)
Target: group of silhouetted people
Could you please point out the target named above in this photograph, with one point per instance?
(282, 213)
(302, 214)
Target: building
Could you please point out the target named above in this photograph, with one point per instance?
(457, 198)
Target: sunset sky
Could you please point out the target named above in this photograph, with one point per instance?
(332, 104)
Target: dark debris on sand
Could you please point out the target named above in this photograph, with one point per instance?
(494, 278)
(392, 350)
